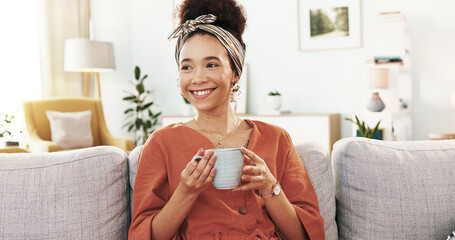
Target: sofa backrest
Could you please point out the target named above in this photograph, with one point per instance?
(317, 164)
(394, 190)
(78, 194)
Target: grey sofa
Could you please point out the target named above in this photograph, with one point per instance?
(378, 190)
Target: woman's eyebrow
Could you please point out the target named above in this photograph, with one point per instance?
(211, 58)
(205, 59)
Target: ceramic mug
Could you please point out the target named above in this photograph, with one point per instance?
(229, 165)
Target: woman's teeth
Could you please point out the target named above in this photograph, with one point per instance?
(199, 93)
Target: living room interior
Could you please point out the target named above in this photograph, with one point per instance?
(367, 189)
(310, 81)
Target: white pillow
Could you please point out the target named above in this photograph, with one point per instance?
(71, 130)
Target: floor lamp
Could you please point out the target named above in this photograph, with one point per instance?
(89, 57)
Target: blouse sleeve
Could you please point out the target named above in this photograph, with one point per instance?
(300, 192)
(151, 189)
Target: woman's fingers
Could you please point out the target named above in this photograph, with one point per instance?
(251, 156)
(202, 165)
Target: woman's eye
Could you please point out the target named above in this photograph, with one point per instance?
(183, 68)
(211, 65)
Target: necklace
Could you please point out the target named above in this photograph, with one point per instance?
(218, 143)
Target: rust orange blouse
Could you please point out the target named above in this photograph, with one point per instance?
(220, 214)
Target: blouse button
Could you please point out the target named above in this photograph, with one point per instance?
(243, 211)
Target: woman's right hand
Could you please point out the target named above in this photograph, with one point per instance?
(198, 174)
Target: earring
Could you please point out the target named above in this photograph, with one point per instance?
(235, 87)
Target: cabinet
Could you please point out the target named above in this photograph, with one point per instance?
(321, 128)
(390, 50)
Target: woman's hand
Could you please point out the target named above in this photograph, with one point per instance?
(198, 174)
(256, 174)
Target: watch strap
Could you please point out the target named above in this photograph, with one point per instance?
(271, 194)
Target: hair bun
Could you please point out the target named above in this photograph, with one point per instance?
(230, 15)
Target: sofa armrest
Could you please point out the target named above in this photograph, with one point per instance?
(127, 144)
(36, 144)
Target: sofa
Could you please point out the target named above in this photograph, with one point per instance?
(367, 189)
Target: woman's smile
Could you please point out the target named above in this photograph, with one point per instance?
(202, 93)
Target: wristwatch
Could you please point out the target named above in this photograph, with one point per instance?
(276, 189)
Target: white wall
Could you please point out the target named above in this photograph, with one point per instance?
(311, 82)
(111, 20)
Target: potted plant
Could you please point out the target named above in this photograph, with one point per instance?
(364, 130)
(6, 132)
(274, 101)
(140, 119)
(187, 108)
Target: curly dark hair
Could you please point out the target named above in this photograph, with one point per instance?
(230, 15)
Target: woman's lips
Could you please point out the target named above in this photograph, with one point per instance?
(200, 94)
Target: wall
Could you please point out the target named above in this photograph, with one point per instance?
(311, 82)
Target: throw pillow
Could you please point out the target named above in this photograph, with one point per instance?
(71, 130)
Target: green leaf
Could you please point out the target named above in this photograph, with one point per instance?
(146, 106)
(157, 115)
(130, 128)
(376, 128)
(148, 124)
(138, 123)
(128, 110)
(128, 98)
(143, 78)
(140, 88)
(137, 72)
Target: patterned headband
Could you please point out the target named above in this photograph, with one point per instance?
(232, 45)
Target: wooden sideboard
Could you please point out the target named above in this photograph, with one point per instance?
(321, 128)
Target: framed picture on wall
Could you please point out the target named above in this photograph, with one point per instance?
(328, 24)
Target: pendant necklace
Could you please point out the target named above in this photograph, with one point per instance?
(218, 143)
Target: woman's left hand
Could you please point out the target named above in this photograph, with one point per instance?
(256, 174)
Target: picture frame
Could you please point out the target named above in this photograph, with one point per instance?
(328, 24)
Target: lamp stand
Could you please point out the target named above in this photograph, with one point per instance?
(86, 82)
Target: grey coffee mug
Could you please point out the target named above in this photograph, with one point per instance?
(228, 165)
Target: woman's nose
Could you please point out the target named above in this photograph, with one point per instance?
(199, 77)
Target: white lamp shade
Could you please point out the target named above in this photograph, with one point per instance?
(379, 78)
(84, 55)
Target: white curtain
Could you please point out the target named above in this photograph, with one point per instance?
(61, 20)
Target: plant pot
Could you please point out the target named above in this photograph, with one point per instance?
(274, 103)
(379, 135)
(11, 143)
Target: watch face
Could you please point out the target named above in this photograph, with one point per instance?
(276, 189)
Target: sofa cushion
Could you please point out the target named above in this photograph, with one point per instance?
(394, 190)
(317, 164)
(71, 130)
(79, 194)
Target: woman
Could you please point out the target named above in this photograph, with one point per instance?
(173, 196)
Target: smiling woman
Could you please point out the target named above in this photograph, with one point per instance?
(19, 59)
(174, 197)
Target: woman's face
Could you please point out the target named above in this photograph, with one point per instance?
(205, 73)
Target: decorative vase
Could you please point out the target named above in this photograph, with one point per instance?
(187, 110)
(375, 104)
(274, 103)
